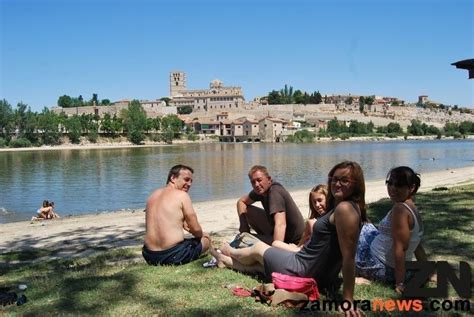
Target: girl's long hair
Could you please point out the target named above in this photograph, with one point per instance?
(358, 194)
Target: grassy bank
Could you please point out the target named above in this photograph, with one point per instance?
(118, 282)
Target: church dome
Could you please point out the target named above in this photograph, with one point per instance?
(216, 83)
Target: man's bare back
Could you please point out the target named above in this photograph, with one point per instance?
(165, 218)
(169, 210)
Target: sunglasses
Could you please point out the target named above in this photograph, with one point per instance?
(395, 184)
(344, 181)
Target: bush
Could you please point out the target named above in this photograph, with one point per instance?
(155, 137)
(456, 135)
(21, 142)
(3, 143)
(392, 135)
(93, 136)
(192, 136)
(344, 136)
(302, 136)
(136, 136)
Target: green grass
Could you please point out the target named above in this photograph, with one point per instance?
(118, 282)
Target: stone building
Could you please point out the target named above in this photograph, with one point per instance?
(153, 109)
(215, 99)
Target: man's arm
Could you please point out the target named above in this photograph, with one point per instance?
(280, 226)
(242, 204)
(190, 217)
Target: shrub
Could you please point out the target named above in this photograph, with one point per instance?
(20, 142)
(3, 143)
(155, 137)
(344, 136)
(93, 136)
(192, 136)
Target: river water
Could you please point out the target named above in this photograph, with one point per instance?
(84, 181)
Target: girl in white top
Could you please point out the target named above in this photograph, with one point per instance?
(381, 254)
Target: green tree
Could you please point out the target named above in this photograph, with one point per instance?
(302, 136)
(349, 100)
(48, 125)
(74, 128)
(450, 128)
(335, 128)
(105, 102)
(31, 126)
(466, 127)
(394, 127)
(65, 101)
(415, 128)
(106, 124)
(171, 123)
(7, 120)
(20, 117)
(185, 109)
(157, 123)
(316, 98)
(369, 100)
(93, 134)
(135, 122)
(287, 94)
(432, 130)
(275, 98)
(95, 99)
(298, 97)
(166, 100)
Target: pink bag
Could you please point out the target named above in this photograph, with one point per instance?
(305, 285)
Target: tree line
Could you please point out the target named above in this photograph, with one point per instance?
(21, 127)
(339, 129)
(66, 101)
(288, 95)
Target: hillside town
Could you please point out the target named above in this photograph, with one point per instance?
(222, 111)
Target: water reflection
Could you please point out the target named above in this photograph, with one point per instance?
(82, 181)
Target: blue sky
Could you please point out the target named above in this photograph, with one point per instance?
(126, 49)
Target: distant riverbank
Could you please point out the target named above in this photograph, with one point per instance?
(123, 143)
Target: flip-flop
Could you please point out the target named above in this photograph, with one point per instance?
(241, 292)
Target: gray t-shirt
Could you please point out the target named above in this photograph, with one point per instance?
(279, 199)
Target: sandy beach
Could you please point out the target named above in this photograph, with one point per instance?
(83, 235)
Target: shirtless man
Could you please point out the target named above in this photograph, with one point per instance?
(168, 211)
(279, 220)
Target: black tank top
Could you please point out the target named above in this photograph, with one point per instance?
(321, 256)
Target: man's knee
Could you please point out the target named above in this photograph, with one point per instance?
(205, 242)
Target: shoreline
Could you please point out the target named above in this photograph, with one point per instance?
(126, 144)
(85, 234)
